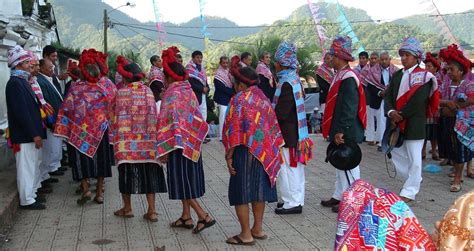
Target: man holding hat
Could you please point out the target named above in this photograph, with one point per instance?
(288, 103)
(410, 92)
(25, 126)
(345, 113)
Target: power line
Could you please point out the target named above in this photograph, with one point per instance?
(136, 47)
(309, 23)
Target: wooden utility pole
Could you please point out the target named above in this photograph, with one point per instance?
(106, 25)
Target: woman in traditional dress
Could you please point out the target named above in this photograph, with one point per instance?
(83, 121)
(182, 130)
(252, 139)
(457, 113)
(135, 133)
(432, 65)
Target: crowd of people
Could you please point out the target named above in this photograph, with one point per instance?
(152, 127)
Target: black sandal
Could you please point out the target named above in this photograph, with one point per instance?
(183, 224)
(206, 224)
(239, 241)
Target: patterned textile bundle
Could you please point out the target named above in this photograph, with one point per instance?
(134, 126)
(224, 76)
(84, 116)
(180, 123)
(375, 219)
(464, 126)
(193, 72)
(373, 76)
(251, 121)
(325, 72)
(264, 70)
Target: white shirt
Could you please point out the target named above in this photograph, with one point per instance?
(386, 75)
(406, 74)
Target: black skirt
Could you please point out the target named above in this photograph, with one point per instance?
(431, 131)
(141, 178)
(449, 146)
(251, 183)
(85, 167)
(185, 177)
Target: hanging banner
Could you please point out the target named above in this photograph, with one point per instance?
(317, 18)
(204, 32)
(159, 25)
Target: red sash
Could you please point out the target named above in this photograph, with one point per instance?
(332, 97)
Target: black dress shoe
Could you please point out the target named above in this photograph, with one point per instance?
(330, 203)
(57, 173)
(45, 190)
(35, 206)
(62, 169)
(335, 209)
(293, 210)
(40, 198)
(379, 148)
(280, 204)
(51, 180)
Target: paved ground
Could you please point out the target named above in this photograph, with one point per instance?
(66, 226)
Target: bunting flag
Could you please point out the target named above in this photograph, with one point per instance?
(317, 18)
(204, 32)
(346, 27)
(159, 25)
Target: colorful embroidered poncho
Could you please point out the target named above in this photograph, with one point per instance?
(155, 74)
(373, 76)
(134, 125)
(376, 219)
(325, 72)
(85, 114)
(251, 121)
(303, 152)
(332, 98)
(464, 126)
(180, 123)
(193, 72)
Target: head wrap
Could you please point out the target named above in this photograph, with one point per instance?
(455, 230)
(430, 59)
(341, 47)
(17, 55)
(412, 46)
(168, 56)
(452, 53)
(235, 71)
(97, 58)
(33, 56)
(134, 70)
(286, 55)
(71, 67)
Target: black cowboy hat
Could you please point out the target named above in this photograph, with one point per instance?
(345, 156)
(392, 138)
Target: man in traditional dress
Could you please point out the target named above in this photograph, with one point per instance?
(406, 101)
(246, 59)
(25, 126)
(50, 52)
(267, 80)
(53, 145)
(345, 113)
(363, 60)
(324, 76)
(198, 80)
(289, 108)
(156, 79)
(224, 90)
(376, 80)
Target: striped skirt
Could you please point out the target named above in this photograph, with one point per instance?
(99, 166)
(251, 183)
(185, 177)
(141, 178)
(449, 146)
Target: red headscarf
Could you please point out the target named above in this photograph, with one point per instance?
(234, 70)
(121, 63)
(169, 56)
(430, 59)
(71, 66)
(97, 58)
(452, 53)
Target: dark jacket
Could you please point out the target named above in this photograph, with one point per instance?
(285, 111)
(198, 88)
(414, 112)
(53, 97)
(223, 94)
(324, 85)
(266, 88)
(345, 118)
(24, 117)
(57, 84)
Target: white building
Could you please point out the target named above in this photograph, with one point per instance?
(30, 24)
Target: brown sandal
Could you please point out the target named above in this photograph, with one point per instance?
(84, 198)
(152, 217)
(122, 213)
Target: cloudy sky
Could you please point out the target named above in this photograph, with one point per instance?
(257, 12)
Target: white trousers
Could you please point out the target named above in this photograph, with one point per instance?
(291, 182)
(158, 107)
(28, 160)
(341, 184)
(407, 161)
(52, 153)
(373, 115)
(222, 111)
(203, 107)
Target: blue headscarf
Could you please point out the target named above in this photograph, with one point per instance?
(286, 55)
(412, 46)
